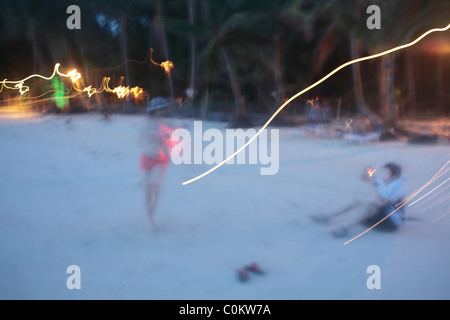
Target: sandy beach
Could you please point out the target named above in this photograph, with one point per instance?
(71, 194)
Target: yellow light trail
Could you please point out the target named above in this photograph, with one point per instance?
(55, 71)
(374, 56)
(40, 96)
(21, 88)
(120, 90)
(371, 171)
(166, 65)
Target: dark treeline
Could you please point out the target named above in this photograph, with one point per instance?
(239, 57)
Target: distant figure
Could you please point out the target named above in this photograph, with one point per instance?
(390, 193)
(154, 159)
(313, 112)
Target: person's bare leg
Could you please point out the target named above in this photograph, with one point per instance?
(149, 196)
(325, 218)
(343, 230)
(148, 202)
(161, 173)
(346, 209)
(153, 190)
(152, 205)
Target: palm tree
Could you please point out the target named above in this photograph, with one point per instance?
(192, 6)
(119, 13)
(281, 18)
(348, 17)
(26, 20)
(419, 16)
(225, 30)
(157, 25)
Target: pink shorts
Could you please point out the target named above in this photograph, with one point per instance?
(148, 163)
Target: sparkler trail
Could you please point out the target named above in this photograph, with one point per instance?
(166, 65)
(410, 44)
(370, 171)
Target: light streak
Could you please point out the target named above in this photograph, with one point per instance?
(136, 91)
(439, 218)
(436, 176)
(55, 71)
(21, 88)
(428, 193)
(431, 197)
(74, 75)
(166, 65)
(120, 91)
(374, 56)
(370, 171)
(90, 91)
(443, 199)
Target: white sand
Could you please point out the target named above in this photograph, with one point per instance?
(70, 193)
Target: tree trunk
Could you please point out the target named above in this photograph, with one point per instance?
(239, 104)
(410, 81)
(357, 86)
(386, 87)
(123, 42)
(390, 90)
(191, 14)
(240, 118)
(382, 89)
(85, 80)
(38, 60)
(440, 84)
(164, 43)
(281, 93)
